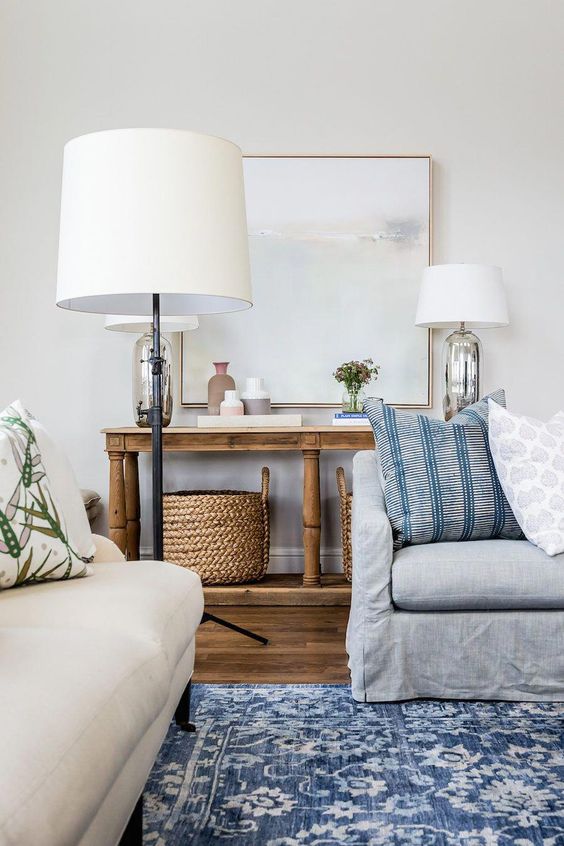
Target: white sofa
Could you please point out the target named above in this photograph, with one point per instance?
(92, 671)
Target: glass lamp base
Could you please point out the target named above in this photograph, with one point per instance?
(143, 380)
(462, 360)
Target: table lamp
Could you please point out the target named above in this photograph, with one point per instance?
(142, 351)
(470, 296)
(153, 220)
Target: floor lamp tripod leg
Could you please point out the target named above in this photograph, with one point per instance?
(211, 618)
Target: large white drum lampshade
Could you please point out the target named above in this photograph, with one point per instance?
(153, 211)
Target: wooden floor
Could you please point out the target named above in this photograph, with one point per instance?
(306, 646)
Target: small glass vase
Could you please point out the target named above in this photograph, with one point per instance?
(353, 401)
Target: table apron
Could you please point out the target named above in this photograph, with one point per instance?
(245, 442)
(123, 448)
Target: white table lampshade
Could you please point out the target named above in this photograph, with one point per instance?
(467, 296)
(139, 324)
(451, 294)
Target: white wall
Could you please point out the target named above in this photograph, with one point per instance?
(476, 84)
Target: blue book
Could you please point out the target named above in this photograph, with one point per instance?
(348, 414)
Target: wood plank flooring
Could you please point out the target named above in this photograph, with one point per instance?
(306, 646)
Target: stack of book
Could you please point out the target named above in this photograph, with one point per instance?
(350, 418)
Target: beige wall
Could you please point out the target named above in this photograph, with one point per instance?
(476, 84)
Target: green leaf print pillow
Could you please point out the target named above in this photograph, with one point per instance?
(35, 545)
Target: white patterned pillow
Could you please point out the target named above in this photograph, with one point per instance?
(35, 542)
(529, 459)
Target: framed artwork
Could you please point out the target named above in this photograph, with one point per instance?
(337, 246)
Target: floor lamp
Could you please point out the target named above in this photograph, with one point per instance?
(151, 220)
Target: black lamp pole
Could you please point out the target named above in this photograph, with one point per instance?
(155, 418)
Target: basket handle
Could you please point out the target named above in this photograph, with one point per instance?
(342, 485)
(265, 483)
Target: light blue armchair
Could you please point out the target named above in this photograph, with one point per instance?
(467, 620)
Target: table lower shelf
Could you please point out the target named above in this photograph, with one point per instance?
(282, 589)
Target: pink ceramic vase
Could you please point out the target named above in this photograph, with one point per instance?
(220, 382)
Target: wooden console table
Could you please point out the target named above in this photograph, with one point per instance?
(123, 446)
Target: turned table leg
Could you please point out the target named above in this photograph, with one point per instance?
(132, 505)
(312, 519)
(116, 507)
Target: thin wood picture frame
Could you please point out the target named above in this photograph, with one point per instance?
(426, 400)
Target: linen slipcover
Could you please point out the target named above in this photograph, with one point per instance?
(396, 654)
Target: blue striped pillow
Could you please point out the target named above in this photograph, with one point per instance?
(440, 482)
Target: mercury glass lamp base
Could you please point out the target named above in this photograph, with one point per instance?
(143, 380)
(462, 359)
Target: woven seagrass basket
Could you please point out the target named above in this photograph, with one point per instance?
(224, 536)
(345, 504)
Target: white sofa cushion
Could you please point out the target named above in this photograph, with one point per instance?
(37, 539)
(158, 602)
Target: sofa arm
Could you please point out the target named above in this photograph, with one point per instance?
(372, 544)
(106, 550)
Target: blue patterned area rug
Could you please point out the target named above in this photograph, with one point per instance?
(304, 765)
